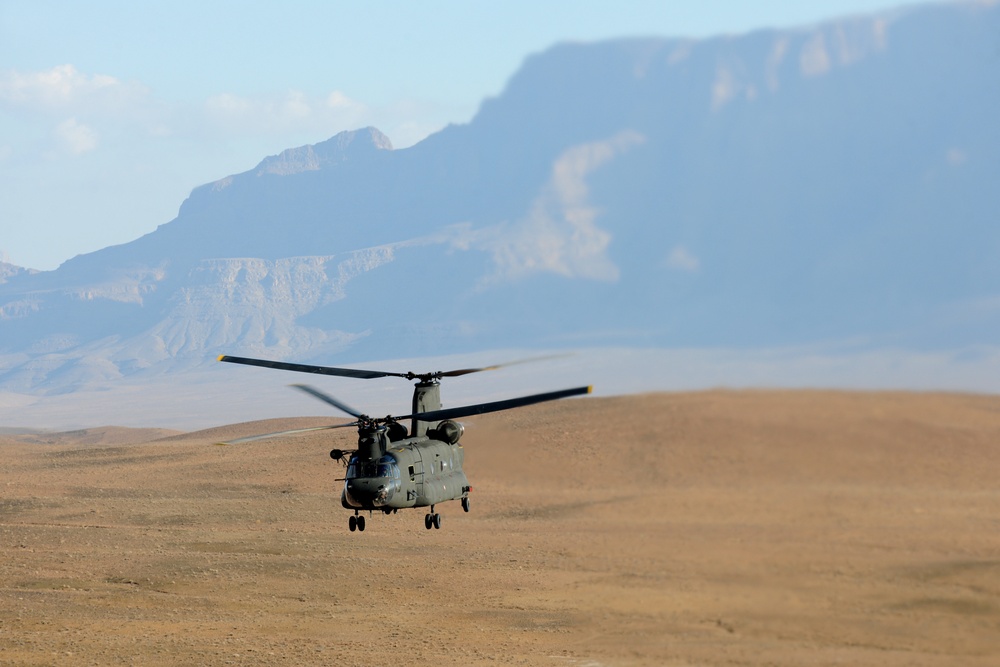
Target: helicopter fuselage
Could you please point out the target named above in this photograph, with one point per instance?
(413, 472)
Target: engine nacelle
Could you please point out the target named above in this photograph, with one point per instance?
(396, 432)
(449, 431)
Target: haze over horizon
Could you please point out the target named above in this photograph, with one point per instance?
(806, 207)
(110, 114)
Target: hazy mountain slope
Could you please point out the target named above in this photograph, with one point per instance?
(783, 187)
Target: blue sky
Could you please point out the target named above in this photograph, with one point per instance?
(112, 111)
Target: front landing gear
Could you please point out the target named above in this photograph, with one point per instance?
(432, 519)
(356, 522)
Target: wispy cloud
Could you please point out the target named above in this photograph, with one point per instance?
(74, 109)
(109, 105)
(292, 110)
(76, 137)
(64, 87)
(956, 157)
(681, 259)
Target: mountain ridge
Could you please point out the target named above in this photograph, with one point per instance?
(778, 188)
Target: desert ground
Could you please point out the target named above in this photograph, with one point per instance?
(708, 528)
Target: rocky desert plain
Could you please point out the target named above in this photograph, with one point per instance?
(704, 528)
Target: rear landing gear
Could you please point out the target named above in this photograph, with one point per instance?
(465, 503)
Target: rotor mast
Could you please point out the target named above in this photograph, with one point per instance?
(426, 398)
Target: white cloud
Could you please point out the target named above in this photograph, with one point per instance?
(114, 107)
(228, 105)
(290, 111)
(76, 137)
(956, 157)
(559, 235)
(296, 107)
(681, 259)
(76, 109)
(338, 100)
(302, 117)
(64, 87)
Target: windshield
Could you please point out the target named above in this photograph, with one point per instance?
(384, 467)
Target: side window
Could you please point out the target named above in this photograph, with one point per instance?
(413, 474)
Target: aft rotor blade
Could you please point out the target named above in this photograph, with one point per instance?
(496, 406)
(326, 398)
(277, 434)
(466, 371)
(308, 368)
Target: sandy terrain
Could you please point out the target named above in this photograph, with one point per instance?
(714, 528)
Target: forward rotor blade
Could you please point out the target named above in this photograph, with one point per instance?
(326, 398)
(277, 434)
(496, 406)
(307, 368)
(369, 375)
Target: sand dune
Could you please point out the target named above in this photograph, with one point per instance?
(107, 435)
(713, 528)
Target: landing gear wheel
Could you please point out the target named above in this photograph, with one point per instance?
(352, 523)
(436, 520)
(465, 503)
(427, 521)
(361, 523)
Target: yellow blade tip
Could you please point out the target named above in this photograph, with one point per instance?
(220, 357)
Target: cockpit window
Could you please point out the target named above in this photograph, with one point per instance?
(387, 467)
(384, 467)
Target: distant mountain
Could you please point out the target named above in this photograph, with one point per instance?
(8, 270)
(833, 183)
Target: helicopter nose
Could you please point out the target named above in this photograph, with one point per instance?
(369, 492)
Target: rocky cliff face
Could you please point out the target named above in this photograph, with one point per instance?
(345, 147)
(836, 183)
(219, 304)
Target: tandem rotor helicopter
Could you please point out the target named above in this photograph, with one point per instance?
(394, 468)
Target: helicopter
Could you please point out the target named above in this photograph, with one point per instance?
(393, 467)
